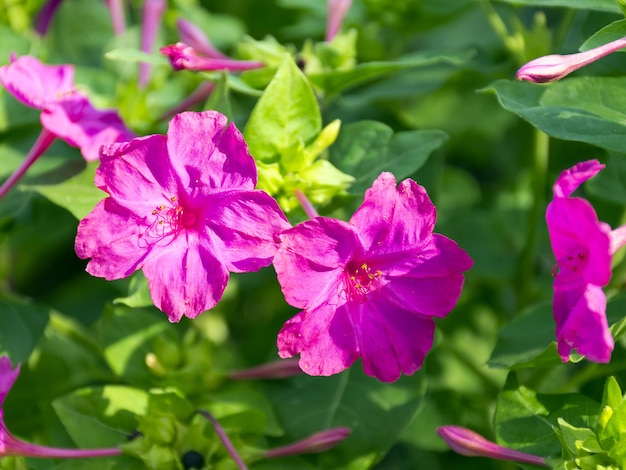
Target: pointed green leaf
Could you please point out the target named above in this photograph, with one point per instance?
(615, 30)
(286, 113)
(599, 5)
(583, 109)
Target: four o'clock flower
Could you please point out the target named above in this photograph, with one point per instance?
(10, 445)
(184, 57)
(370, 287)
(554, 67)
(182, 208)
(65, 112)
(583, 247)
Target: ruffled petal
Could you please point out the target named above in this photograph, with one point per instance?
(110, 235)
(35, 84)
(570, 179)
(324, 338)
(185, 277)
(81, 125)
(392, 341)
(246, 226)
(393, 219)
(311, 259)
(137, 174)
(206, 152)
(585, 327)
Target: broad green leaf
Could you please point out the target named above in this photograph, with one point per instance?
(577, 439)
(22, 324)
(599, 5)
(376, 412)
(101, 416)
(527, 341)
(615, 30)
(584, 109)
(336, 81)
(525, 420)
(286, 114)
(367, 148)
(78, 194)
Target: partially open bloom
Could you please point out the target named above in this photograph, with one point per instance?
(466, 442)
(182, 208)
(65, 112)
(583, 247)
(184, 57)
(10, 445)
(370, 287)
(554, 67)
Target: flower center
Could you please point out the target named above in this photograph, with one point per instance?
(167, 220)
(572, 265)
(362, 280)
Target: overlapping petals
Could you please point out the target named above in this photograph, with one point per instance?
(583, 247)
(369, 288)
(183, 208)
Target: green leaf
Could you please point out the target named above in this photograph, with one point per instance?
(376, 412)
(526, 420)
(527, 341)
(599, 5)
(584, 109)
(138, 292)
(286, 114)
(367, 148)
(615, 30)
(577, 439)
(78, 194)
(336, 81)
(22, 324)
(101, 416)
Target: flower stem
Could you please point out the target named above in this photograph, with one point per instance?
(306, 204)
(225, 440)
(526, 263)
(510, 42)
(41, 145)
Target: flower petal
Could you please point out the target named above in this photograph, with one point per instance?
(205, 152)
(572, 178)
(185, 277)
(393, 219)
(324, 338)
(8, 376)
(392, 341)
(311, 259)
(35, 84)
(246, 225)
(585, 327)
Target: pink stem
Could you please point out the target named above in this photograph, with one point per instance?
(41, 145)
(225, 440)
(116, 7)
(33, 450)
(306, 204)
(151, 19)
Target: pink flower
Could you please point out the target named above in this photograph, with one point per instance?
(184, 57)
(65, 112)
(9, 445)
(583, 248)
(182, 208)
(466, 442)
(554, 67)
(371, 287)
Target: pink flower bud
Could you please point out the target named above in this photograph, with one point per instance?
(193, 36)
(466, 442)
(315, 443)
(184, 57)
(554, 67)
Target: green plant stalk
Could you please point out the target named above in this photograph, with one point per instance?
(512, 44)
(524, 273)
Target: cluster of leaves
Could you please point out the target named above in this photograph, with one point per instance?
(394, 91)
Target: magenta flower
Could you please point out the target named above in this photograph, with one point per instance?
(371, 287)
(10, 445)
(184, 57)
(554, 67)
(65, 112)
(466, 442)
(583, 248)
(182, 208)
